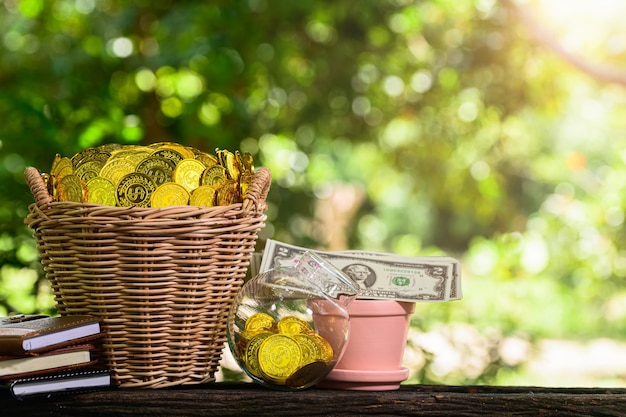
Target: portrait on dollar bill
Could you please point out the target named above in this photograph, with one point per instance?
(362, 274)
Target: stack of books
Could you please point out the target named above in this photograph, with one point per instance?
(42, 354)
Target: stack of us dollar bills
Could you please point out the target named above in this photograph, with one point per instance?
(381, 276)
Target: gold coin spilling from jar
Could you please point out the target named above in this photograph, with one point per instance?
(288, 352)
(159, 175)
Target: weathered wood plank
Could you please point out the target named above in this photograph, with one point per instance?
(238, 399)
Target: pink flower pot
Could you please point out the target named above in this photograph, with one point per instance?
(372, 359)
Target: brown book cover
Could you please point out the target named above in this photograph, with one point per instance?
(20, 336)
(61, 359)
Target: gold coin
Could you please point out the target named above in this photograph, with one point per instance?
(231, 165)
(239, 160)
(110, 147)
(116, 168)
(245, 180)
(184, 151)
(71, 188)
(203, 196)
(61, 166)
(228, 193)
(90, 154)
(307, 375)
(207, 159)
(188, 172)
(168, 153)
(55, 161)
(82, 156)
(134, 154)
(247, 162)
(101, 191)
(311, 350)
(156, 145)
(135, 189)
(219, 153)
(260, 321)
(168, 195)
(246, 335)
(138, 155)
(326, 350)
(279, 357)
(47, 180)
(214, 175)
(51, 185)
(88, 169)
(161, 170)
(293, 325)
(251, 356)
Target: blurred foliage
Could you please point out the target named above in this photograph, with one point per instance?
(463, 135)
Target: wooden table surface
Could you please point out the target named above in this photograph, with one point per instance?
(247, 399)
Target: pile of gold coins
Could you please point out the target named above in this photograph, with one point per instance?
(288, 352)
(159, 175)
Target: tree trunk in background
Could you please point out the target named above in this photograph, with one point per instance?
(335, 212)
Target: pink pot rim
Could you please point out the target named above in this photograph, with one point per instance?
(380, 308)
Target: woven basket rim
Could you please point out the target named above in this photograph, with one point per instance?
(255, 200)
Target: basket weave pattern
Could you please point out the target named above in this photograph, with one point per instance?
(161, 280)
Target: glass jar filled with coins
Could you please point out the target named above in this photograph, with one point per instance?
(288, 326)
(159, 175)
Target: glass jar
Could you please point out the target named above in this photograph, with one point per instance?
(288, 326)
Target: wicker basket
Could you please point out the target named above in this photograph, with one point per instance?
(161, 280)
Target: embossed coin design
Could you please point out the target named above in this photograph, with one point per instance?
(326, 350)
(89, 155)
(188, 172)
(170, 154)
(135, 189)
(71, 188)
(116, 168)
(228, 193)
(160, 169)
(251, 357)
(260, 321)
(203, 196)
(184, 151)
(207, 159)
(311, 351)
(61, 167)
(169, 194)
(89, 169)
(101, 191)
(279, 356)
(293, 325)
(214, 175)
(134, 154)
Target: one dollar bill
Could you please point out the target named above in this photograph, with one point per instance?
(380, 275)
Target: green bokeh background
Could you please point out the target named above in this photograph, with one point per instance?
(425, 127)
